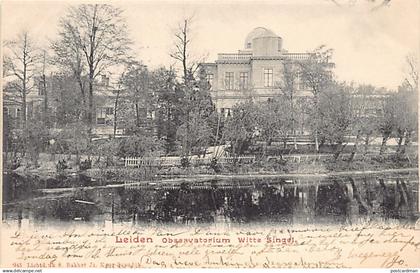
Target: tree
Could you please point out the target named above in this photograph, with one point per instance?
(37, 136)
(290, 80)
(74, 138)
(316, 75)
(406, 112)
(169, 97)
(136, 82)
(20, 62)
(240, 128)
(197, 116)
(92, 38)
(195, 135)
(364, 123)
(182, 50)
(274, 119)
(386, 122)
(407, 99)
(65, 98)
(411, 82)
(139, 145)
(335, 116)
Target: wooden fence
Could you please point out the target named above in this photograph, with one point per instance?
(309, 158)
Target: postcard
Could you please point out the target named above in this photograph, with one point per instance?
(210, 134)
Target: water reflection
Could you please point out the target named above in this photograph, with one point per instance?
(343, 200)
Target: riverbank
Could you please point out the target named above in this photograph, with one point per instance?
(263, 166)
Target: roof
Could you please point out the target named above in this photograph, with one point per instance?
(258, 33)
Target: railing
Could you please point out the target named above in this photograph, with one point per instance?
(247, 56)
(297, 56)
(233, 56)
(309, 158)
(137, 161)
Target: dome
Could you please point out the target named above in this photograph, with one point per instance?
(258, 33)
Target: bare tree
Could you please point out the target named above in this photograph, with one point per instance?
(182, 50)
(20, 62)
(412, 79)
(92, 38)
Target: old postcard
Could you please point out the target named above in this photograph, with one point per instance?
(210, 134)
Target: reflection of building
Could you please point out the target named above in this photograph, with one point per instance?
(256, 71)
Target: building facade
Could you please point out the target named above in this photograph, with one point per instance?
(256, 71)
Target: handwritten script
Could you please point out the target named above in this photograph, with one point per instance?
(209, 247)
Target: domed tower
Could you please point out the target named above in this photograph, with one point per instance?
(263, 42)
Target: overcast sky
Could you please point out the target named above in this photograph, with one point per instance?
(369, 47)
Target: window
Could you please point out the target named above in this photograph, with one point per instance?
(268, 77)
(243, 80)
(100, 121)
(109, 110)
(229, 80)
(300, 82)
(100, 116)
(5, 111)
(41, 87)
(209, 78)
(248, 45)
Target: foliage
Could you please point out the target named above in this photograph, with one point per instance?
(136, 82)
(139, 146)
(335, 113)
(169, 98)
(240, 128)
(274, 119)
(195, 132)
(92, 38)
(37, 137)
(316, 70)
(74, 138)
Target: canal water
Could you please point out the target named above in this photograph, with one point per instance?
(335, 200)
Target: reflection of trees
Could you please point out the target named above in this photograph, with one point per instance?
(65, 209)
(276, 203)
(188, 204)
(135, 204)
(331, 200)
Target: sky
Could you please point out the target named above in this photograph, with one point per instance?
(369, 46)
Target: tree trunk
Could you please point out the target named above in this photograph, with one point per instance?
(400, 141)
(339, 149)
(383, 144)
(90, 110)
(316, 142)
(137, 115)
(184, 51)
(406, 142)
(23, 117)
(367, 140)
(44, 86)
(354, 150)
